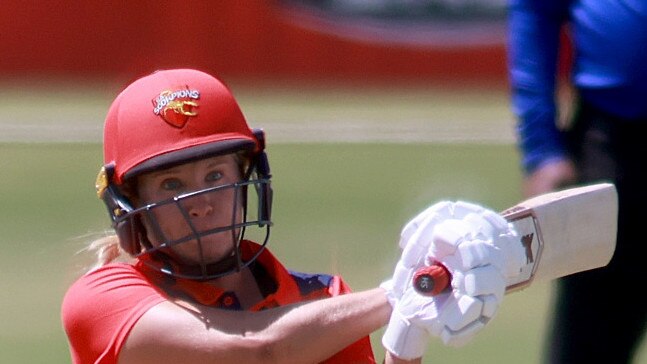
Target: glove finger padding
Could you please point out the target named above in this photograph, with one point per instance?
(513, 253)
(506, 239)
(451, 315)
(415, 240)
(461, 337)
(460, 311)
(442, 208)
(447, 236)
(468, 222)
(486, 280)
(459, 315)
(472, 254)
(415, 243)
(462, 239)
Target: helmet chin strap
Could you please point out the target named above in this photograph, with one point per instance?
(201, 272)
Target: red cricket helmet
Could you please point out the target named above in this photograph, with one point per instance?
(169, 118)
(172, 117)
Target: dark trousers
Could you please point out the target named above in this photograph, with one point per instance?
(600, 315)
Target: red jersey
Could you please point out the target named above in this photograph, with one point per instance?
(101, 307)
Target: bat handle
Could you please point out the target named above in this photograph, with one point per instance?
(431, 280)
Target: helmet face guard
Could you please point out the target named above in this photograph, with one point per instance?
(142, 234)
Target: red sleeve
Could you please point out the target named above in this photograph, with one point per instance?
(101, 308)
(360, 351)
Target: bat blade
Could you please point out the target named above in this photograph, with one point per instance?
(565, 232)
(561, 232)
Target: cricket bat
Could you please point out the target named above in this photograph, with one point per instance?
(562, 233)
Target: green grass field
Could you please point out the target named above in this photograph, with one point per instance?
(338, 208)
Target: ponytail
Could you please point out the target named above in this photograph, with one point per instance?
(107, 250)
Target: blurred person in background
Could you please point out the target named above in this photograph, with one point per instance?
(599, 315)
(186, 183)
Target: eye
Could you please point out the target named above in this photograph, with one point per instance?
(213, 176)
(171, 184)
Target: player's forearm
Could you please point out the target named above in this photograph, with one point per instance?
(533, 43)
(307, 332)
(314, 331)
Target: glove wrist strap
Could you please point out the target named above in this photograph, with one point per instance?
(403, 339)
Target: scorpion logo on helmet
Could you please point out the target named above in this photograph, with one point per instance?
(175, 107)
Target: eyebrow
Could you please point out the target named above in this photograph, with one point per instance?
(173, 170)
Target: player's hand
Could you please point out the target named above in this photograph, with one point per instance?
(477, 245)
(553, 175)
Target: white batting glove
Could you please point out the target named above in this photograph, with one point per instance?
(478, 247)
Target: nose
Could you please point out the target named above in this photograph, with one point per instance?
(201, 206)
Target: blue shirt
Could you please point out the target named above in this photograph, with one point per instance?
(609, 39)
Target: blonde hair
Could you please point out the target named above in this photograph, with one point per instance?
(107, 250)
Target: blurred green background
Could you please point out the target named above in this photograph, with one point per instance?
(350, 168)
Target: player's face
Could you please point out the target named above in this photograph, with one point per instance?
(204, 211)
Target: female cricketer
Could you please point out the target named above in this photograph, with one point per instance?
(187, 183)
